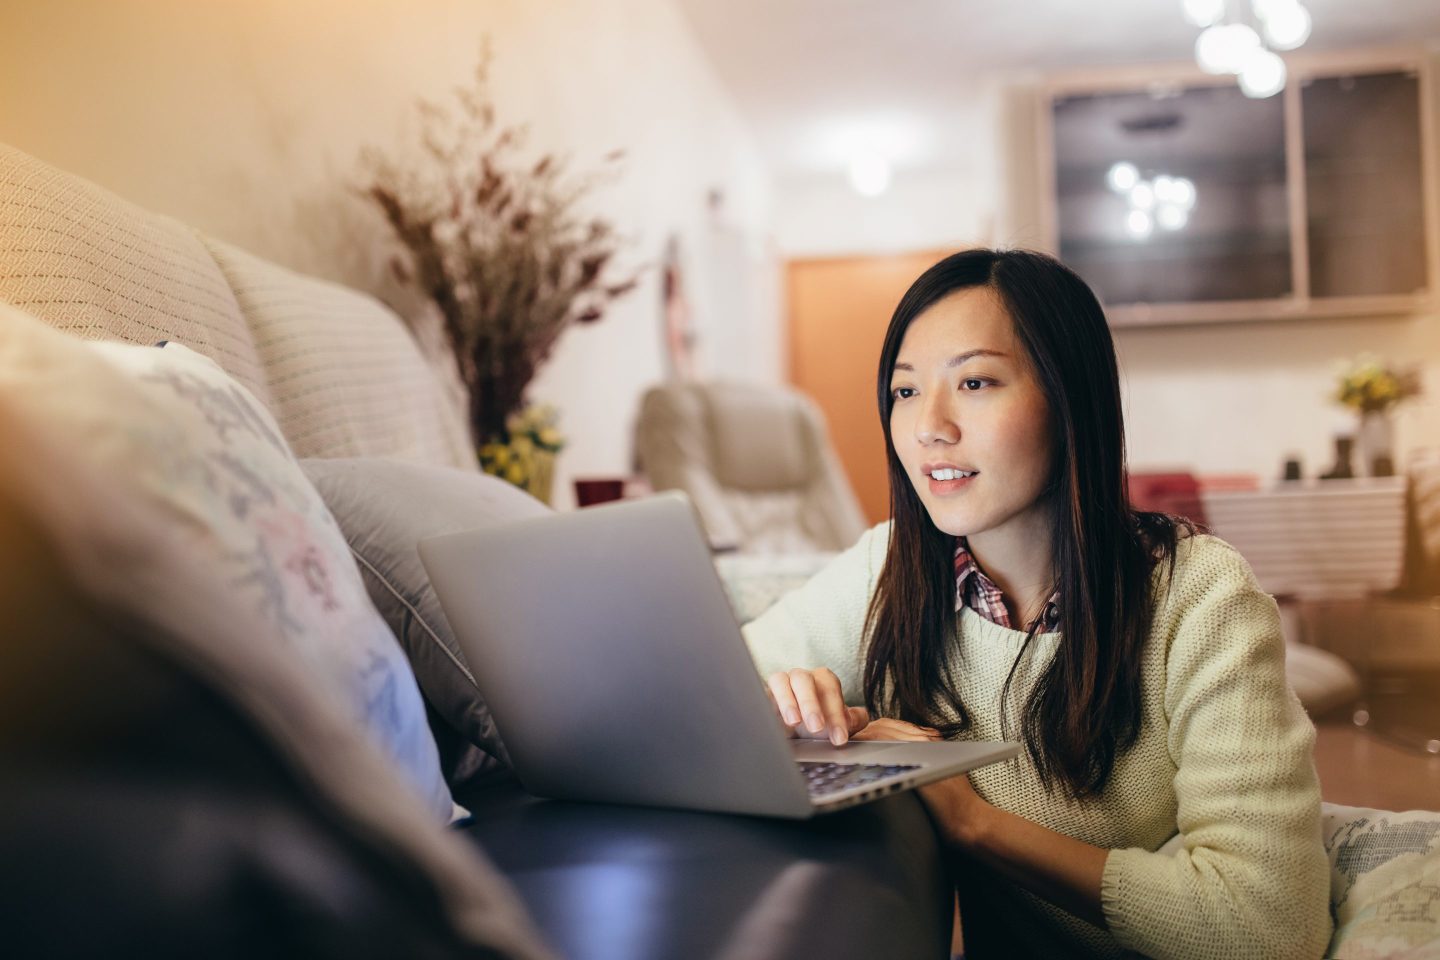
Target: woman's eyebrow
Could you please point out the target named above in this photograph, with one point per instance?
(958, 359)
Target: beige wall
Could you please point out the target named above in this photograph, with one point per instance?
(246, 119)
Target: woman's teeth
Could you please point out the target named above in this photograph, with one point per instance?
(952, 474)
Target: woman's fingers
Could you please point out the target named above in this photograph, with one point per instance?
(857, 719)
(811, 701)
(783, 695)
(835, 717)
(886, 729)
(812, 717)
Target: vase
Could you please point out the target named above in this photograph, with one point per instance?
(541, 482)
(1375, 442)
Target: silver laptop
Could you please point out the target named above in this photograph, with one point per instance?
(604, 644)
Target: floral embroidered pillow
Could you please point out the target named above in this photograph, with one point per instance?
(169, 427)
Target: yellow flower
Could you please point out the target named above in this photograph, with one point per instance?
(516, 474)
(550, 437)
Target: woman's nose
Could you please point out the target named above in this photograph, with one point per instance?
(937, 422)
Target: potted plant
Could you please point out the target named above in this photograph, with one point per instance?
(497, 241)
(1373, 389)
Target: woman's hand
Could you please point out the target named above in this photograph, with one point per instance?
(886, 729)
(811, 704)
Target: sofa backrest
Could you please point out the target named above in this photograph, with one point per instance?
(340, 371)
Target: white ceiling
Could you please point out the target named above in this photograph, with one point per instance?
(813, 77)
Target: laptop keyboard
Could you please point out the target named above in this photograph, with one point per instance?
(824, 778)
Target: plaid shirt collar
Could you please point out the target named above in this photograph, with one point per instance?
(978, 592)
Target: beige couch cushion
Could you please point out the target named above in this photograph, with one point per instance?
(83, 260)
(345, 377)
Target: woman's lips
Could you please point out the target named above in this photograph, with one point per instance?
(942, 487)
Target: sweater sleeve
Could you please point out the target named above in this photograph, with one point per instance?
(1250, 878)
(822, 622)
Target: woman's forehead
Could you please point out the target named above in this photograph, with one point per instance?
(972, 320)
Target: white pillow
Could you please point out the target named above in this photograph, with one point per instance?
(169, 428)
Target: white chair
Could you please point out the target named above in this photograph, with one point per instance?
(757, 462)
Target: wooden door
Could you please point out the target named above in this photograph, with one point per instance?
(838, 311)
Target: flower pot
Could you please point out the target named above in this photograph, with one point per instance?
(1375, 441)
(541, 482)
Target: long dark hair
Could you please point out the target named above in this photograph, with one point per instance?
(1085, 708)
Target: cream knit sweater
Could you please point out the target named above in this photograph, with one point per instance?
(1223, 760)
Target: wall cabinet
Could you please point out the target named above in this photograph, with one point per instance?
(1181, 200)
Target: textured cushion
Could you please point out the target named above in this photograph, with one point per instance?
(385, 508)
(1384, 882)
(346, 378)
(173, 431)
(85, 261)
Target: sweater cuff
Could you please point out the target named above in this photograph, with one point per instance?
(1118, 865)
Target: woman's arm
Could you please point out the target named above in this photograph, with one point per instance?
(1250, 878)
(1065, 871)
(822, 623)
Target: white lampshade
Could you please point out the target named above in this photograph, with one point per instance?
(1287, 26)
(1263, 75)
(1122, 176)
(1204, 13)
(1225, 49)
(869, 174)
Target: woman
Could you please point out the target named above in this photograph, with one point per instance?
(1015, 595)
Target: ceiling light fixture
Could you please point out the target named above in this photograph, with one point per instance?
(1230, 44)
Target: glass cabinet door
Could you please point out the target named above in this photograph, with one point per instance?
(1365, 207)
(1174, 196)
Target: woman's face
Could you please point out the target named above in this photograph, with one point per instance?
(970, 422)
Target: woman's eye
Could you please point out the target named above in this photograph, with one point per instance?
(902, 393)
(973, 383)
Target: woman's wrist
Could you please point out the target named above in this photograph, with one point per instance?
(972, 826)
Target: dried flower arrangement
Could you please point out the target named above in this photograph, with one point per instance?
(1368, 385)
(498, 243)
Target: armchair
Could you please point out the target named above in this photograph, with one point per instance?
(757, 462)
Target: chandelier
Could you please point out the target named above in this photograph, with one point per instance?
(1243, 42)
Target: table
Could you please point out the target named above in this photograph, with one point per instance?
(609, 882)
